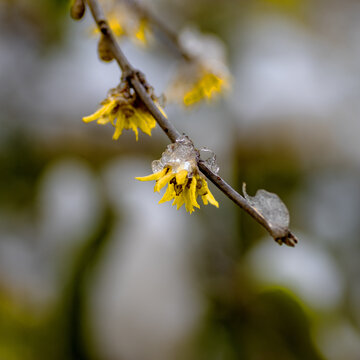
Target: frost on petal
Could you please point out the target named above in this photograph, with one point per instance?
(156, 166)
(270, 206)
(180, 155)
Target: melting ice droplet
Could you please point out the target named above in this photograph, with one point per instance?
(210, 162)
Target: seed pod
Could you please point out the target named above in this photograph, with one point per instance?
(104, 49)
(77, 9)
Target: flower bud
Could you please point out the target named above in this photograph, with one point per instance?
(77, 9)
(104, 49)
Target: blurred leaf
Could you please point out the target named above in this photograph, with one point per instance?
(271, 326)
(72, 317)
(293, 8)
(40, 21)
(20, 166)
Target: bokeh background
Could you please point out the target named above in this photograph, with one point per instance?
(91, 267)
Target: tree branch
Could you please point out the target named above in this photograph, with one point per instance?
(136, 79)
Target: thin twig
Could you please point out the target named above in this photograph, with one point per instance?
(171, 35)
(282, 235)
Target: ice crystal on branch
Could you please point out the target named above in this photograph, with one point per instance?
(124, 110)
(178, 169)
(179, 155)
(274, 211)
(210, 162)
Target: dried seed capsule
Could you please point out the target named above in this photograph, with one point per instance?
(104, 49)
(77, 9)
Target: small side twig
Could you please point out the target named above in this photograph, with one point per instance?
(161, 26)
(281, 236)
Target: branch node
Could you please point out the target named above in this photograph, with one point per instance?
(142, 78)
(128, 74)
(289, 239)
(103, 27)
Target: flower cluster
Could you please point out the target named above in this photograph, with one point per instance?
(178, 169)
(125, 21)
(124, 110)
(206, 85)
(206, 75)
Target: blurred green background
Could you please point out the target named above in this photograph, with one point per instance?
(91, 267)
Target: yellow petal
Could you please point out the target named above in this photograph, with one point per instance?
(204, 88)
(143, 122)
(209, 196)
(136, 132)
(103, 120)
(163, 181)
(178, 201)
(211, 83)
(94, 116)
(132, 124)
(204, 189)
(169, 194)
(204, 199)
(193, 96)
(188, 203)
(149, 119)
(192, 192)
(117, 133)
(116, 26)
(119, 126)
(154, 176)
(112, 116)
(181, 176)
(140, 33)
(97, 114)
(117, 29)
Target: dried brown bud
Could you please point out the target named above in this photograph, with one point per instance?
(77, 9)
(104, 49)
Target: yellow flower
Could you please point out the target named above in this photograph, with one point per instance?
(140, 34)
(123, 110)
(124, 21)
(196, 82)
(182, 187)
(116, 26)
(205, 88)
(205, 74)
